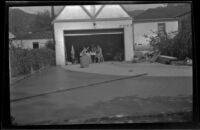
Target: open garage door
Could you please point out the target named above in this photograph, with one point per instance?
(110, 40)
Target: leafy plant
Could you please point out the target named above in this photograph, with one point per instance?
(50, 45)
(23, 60)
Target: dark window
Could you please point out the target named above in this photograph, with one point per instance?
(161, 29)
(35, 45)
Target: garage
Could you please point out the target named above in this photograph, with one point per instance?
(110, 40)
(109, 26)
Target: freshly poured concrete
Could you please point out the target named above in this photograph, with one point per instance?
(128, 69)
(82, 103)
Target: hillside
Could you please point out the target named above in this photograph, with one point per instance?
(169, 11)
(20, 22)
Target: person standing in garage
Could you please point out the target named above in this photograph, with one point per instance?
(99, 54)
(93, 53)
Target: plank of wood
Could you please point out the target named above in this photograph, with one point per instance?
(167, 57)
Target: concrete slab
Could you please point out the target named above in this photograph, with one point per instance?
(54, 78)
(82, 104)
(129, 69)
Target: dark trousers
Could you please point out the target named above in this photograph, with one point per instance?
(93, 58)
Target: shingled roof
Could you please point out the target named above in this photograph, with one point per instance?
(36, 35)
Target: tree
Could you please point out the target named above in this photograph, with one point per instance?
(183, 40)
(50, 45)
(42, 21)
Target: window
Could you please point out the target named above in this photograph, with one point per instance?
(161, 29)
(35, 45)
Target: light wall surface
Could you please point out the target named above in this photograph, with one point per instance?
(28, 44)
(61, 26)
(110, 17)
(147, 28)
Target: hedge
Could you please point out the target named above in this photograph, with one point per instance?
(23, 61)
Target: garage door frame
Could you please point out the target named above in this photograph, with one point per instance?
(93, 32)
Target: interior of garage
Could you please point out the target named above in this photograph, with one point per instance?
(110, 40)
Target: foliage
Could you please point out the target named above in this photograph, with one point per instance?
(42, 21)
(24, 60)
(163, 44)
(20, 22)
(179, 46)
(183, 41)
(50, 45)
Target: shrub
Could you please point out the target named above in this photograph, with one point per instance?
(23, 60)
(179, 46)
(50, 45)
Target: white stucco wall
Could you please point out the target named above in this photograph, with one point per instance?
(146, 28)
(115, 11)
(61, 26)
(28, 44)
(128, 40)
(76, 12)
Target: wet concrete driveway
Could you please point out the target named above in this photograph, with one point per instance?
(129, 97)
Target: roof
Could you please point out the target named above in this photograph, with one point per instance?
(37, 35)
(183, 14)
(96, 16)
(154, 20)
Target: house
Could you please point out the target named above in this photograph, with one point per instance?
(183, 18)
(33, 40)
(152, 27)
(109, 26)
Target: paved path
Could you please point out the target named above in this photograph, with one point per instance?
(128, 69)
(84, 103)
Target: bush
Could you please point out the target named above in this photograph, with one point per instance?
(23, 60)
(183, 41)
(179, 46)
(50, 45)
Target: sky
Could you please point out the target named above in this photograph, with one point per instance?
(129, 7)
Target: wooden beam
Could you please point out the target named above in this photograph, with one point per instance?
(86, 11)
(54, 19)
(124, 10)
(91, 20)
(99, 11)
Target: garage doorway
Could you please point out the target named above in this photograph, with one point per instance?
(110, 40)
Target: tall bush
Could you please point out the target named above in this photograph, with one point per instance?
(50, 45)
(183, 41)
(179, 46)
(23, 60)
